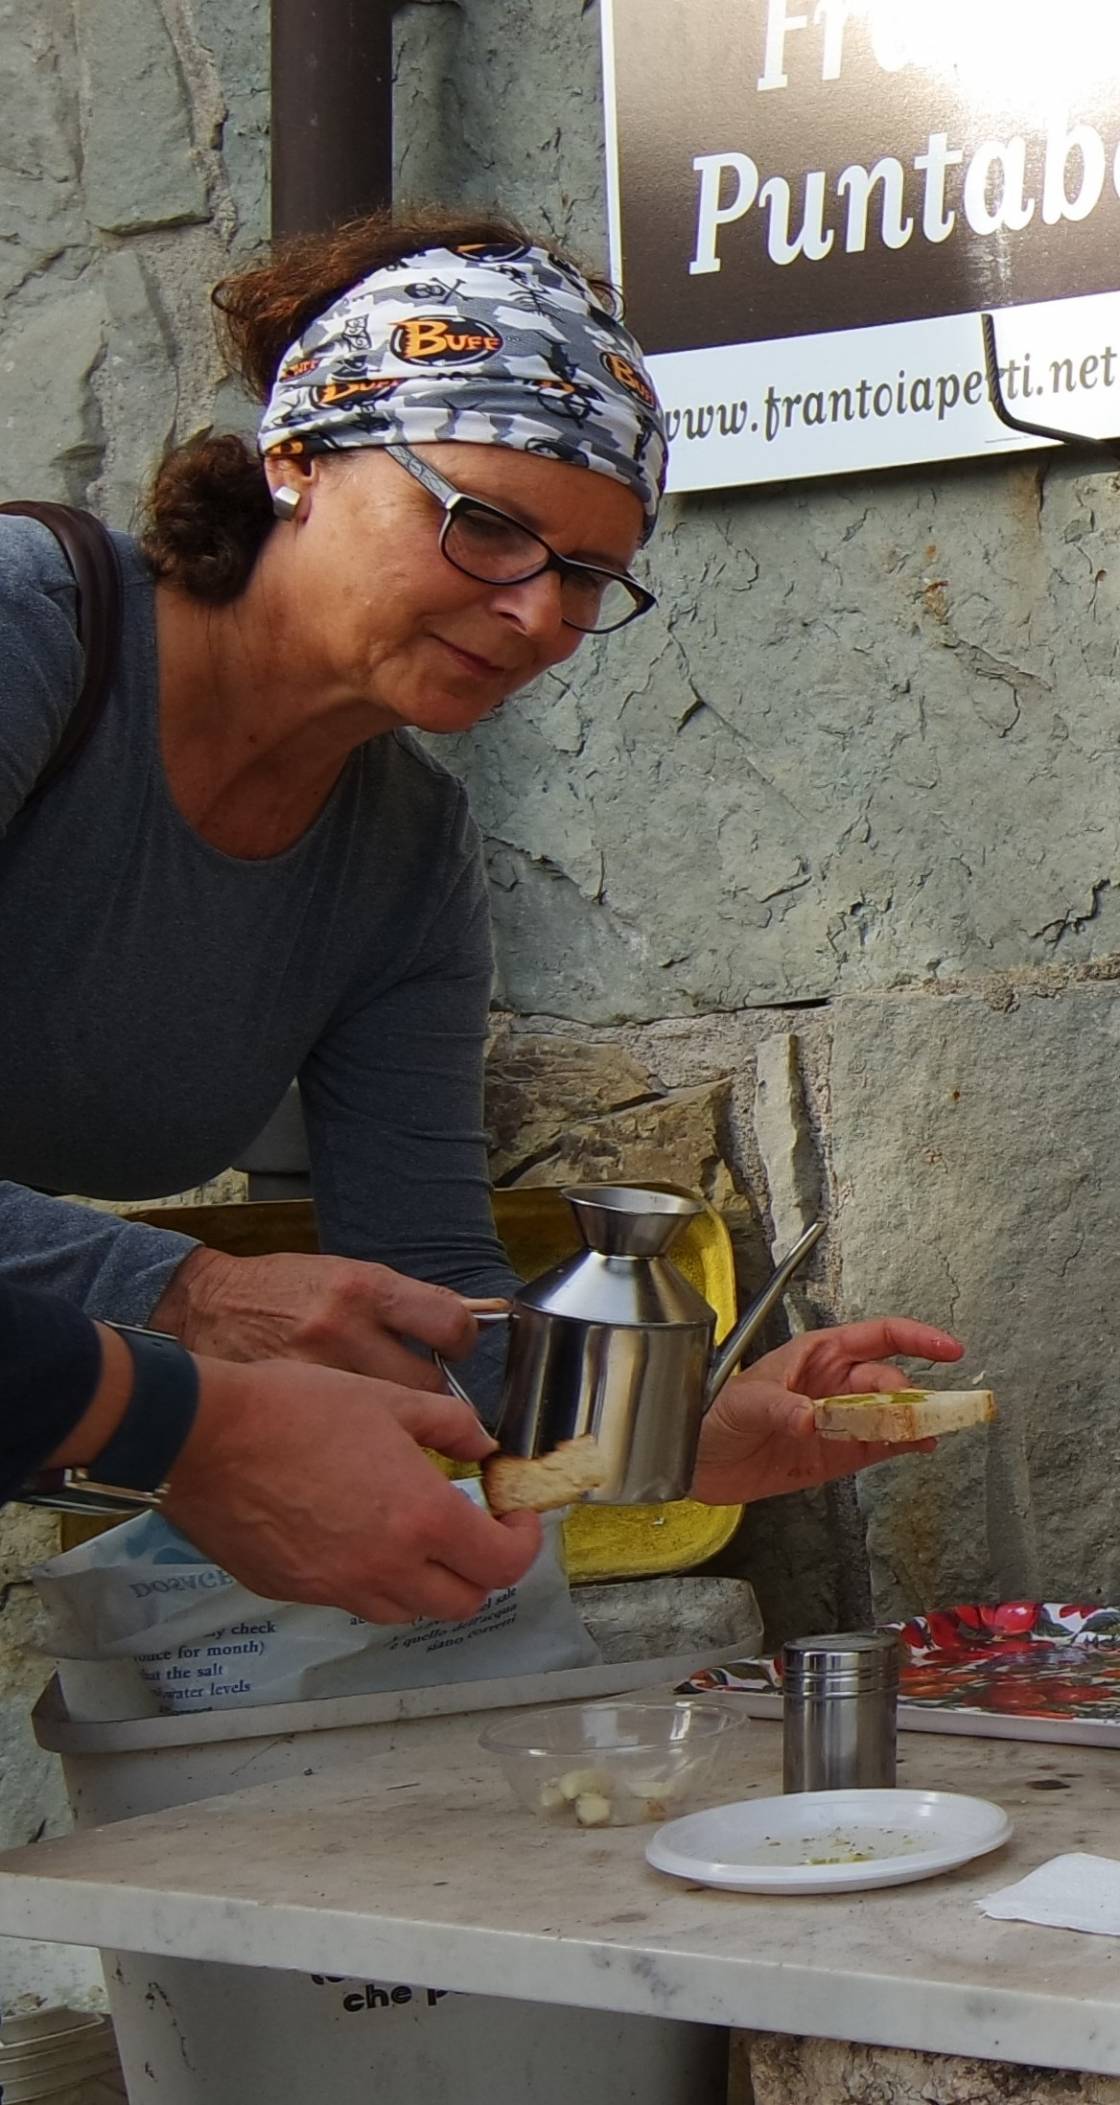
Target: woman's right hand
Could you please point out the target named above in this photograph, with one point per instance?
(311, 1485)
(336, 1311)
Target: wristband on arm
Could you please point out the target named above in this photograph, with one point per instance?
(130, 1472)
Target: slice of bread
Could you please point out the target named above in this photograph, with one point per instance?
(905, 1414)
(539, 1483)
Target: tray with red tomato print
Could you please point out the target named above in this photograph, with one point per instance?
(1025, 1670)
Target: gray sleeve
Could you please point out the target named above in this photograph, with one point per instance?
(109, 1267)
(393, 1099)
(115, 1270)
(41, 661)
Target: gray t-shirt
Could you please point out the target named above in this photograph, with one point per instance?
(157, 996)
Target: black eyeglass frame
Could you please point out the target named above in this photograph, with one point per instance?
(455, 501)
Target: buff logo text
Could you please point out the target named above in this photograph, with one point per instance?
(432, 339)
(628, 376)
(334, 392)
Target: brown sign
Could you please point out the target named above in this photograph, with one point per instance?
(791, 168)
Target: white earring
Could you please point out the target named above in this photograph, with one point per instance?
(286, 502)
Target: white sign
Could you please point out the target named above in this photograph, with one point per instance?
(812, 203)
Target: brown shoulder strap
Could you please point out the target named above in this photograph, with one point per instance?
(88, 548)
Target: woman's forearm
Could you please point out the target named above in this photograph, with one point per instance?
(114, 1269)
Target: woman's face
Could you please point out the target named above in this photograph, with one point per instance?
(387, 619)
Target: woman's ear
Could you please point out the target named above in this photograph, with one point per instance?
(284, 477)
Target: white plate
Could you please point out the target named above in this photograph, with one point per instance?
(828, 1841)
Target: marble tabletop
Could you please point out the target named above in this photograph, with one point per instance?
(418, 1866)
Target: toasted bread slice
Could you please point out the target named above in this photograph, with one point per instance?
(540, 1483)
(905, 1414)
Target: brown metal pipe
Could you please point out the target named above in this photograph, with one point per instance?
(332, 111)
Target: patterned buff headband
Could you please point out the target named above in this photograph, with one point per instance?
(504, 345)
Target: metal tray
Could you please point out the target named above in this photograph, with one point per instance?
(1014, 1670)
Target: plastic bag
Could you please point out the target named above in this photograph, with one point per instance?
(172, 1632)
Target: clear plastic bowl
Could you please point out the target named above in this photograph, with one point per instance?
(613, 1764)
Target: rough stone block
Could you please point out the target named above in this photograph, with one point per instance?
(32, 1794)
(229, 1186)
(977, 1165)
(140, 166)
(787, 1548)
(135, 382)
(771, 2069)
(513, 113)
(670, 1617)
(56, 451)
(238, 43)
(784, 1139)
(39, 147)
(27, 1534)
(674, 1140)
(33, 1800)
(536, 1086)
(602, 968)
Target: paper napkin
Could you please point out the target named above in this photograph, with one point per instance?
(1075, 1892)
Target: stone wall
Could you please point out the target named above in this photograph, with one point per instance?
(133, 166)
(806, 887)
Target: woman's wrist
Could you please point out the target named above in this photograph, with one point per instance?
(106, 1408)
(189, 1287)
(230, 1433)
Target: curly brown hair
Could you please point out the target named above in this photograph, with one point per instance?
(208, 510)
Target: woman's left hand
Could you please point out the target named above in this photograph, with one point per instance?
(758, 1439)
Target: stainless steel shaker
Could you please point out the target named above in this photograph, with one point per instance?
(839, 1712)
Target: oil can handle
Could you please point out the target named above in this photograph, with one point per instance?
(484, 1312)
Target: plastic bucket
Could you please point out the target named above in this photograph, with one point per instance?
(60, 2057)
(191, 2032)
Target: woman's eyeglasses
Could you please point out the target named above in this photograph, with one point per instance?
(486, 543)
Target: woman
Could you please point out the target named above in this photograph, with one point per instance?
(252, 872)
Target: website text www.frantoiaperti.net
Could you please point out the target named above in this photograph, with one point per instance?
(1033, 388)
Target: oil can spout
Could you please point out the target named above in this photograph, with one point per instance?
(729, 1354)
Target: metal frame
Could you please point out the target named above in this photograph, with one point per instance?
(1064, 437)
